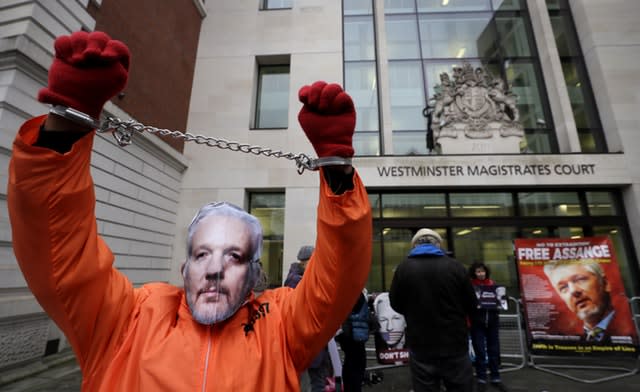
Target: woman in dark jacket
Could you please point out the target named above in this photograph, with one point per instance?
(485, 325)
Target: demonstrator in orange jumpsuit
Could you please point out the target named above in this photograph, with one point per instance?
(215, 334)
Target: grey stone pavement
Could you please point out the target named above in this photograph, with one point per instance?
(60, 373)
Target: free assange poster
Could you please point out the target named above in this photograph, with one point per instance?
(573, 296)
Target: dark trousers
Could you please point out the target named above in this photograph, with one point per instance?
(486, 344)
(355, 362)
(428, 373)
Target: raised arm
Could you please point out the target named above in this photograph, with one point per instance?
(51, 200)
(340, 264)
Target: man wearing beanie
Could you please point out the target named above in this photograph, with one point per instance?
(434, 294)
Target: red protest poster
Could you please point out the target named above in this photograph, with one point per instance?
(573, 297)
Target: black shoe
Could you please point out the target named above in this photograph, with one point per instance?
(499, 386)
(481, 387)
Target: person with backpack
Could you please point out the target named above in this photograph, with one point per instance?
(352, 339)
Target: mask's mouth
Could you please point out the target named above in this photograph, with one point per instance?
(212, 293)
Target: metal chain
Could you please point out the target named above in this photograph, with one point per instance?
(123, 132)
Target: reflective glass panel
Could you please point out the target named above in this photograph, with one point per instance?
(549, 204)
(413, 205)
(402, 37)
(453, 5)
(535, 232)
(375, 281)
(569, 232)
(358, 7)
(557, 4)
(374, 200)
(522, 78)
(629, 276)
(276, 4)
(481, 204)
(272, 108)
(537, 141)
(399, 6)
(361, 83)
(410, 143)
(406, 95)
(358, 38)
(601, 203)
(397, 243)
(269, 209)
(507, 5)
(492, 246)
(366, 143)
(457, 36)
(514, 37)
(566, 41)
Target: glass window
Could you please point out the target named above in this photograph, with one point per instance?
(407, 95)
(538, 141)
(413, 205)
(269, 209)
(523, 80)
(402, 37)
(366, 143)
(361, 83)
(492, 246)
(569, 232)
(399, 6)
(507, 5)
(358, 38)
(456, 36)
(374, 200)
(272, 106)
(579, 88)
(557, 4)
(375, 282)
(397, 243)
(566, 41)
(583, 111)
(358, 7)
(514, 38)
(629, 275)
(536, 232)
(453, 5)
(601, 203)
(549, 204)
(481, 204)
(410, 142)
(275, 4)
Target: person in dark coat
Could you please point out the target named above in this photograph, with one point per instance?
(434, 294)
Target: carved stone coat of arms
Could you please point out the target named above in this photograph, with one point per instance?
(474, 105)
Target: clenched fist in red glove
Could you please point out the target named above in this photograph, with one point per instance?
(328, 118)
(89, 69)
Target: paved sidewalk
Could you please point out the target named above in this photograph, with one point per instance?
(60, 373)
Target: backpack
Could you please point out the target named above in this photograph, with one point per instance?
(360, 323)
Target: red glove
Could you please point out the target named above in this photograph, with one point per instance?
(89, 69)
(328, 118)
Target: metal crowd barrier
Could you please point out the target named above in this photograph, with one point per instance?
(513, 354)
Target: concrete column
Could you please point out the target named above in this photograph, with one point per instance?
(563, 120)
(386, 132)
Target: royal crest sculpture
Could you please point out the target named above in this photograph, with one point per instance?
(475, 105)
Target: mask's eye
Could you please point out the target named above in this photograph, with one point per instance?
(201, 255)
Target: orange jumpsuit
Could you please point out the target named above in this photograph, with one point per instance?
(144, 339)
